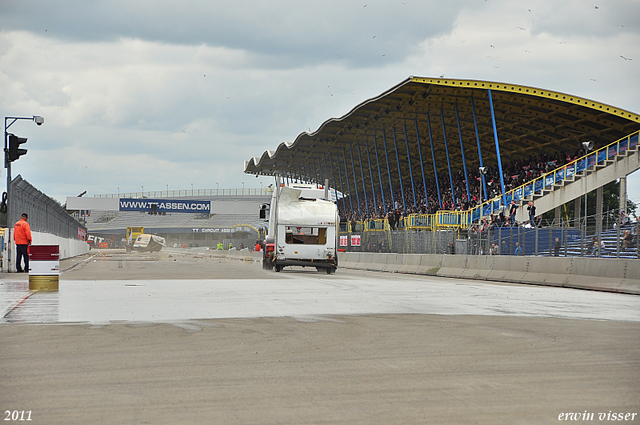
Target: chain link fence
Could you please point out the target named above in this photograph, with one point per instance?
(402, 241)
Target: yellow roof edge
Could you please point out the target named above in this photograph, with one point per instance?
(532, 91)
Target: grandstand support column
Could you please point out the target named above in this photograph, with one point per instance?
(577, 203)
(599, 218)
(324, 159)
(327, 192)
(475, 125)
(557, 215)
(424, 184)
(386, 155)
(333, 176)
(373, 186)
(319, 176)
(464, 162)
(375, 145)
(355, 180)
(433, 156)
(344, 203)
(315, 174)
(413, 187)
(446, 149)
(395, 144)
(495, 137)
(618, 234)
(637, 241)
(364, 186)
(346, 174)
(623, 193)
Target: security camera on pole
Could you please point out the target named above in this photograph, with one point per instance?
(12, 152)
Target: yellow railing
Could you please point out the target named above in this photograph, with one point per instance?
(445, 219)
(548, 180)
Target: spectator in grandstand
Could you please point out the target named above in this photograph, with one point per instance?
(556, 248)
(532, 213)
(502, 220)
(515, 173)
(512, 213)
(391, 218)
(627, 240)
(594, 250)
(22, 238)
(624, 218)
(518, 250)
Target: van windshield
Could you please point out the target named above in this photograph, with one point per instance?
(306, 235)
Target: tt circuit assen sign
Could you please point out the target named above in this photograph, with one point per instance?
(165, 205)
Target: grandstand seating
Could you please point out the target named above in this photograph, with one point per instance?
(610, 238)
(560, 186)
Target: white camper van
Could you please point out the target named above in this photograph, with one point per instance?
(303, 230)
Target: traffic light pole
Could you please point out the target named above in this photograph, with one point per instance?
(6, 264)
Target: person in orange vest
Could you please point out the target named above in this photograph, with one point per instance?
(22, 238)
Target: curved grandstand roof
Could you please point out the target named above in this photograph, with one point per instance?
(529, 121)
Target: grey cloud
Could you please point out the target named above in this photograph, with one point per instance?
(282, 32)
(587, 19)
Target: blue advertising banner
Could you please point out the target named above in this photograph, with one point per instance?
(164, 205)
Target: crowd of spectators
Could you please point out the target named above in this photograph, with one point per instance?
(400, 203)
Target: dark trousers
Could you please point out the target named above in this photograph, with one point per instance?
(22, 253)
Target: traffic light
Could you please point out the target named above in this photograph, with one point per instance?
(14, 151)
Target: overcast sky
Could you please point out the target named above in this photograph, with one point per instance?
(173, 93)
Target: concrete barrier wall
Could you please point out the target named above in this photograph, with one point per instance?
(616, 275)
(67, 247)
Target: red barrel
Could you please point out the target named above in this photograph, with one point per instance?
(44, 267)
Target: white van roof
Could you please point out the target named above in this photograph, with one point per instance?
(300, 212)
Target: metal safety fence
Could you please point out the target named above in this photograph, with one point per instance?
(573, 239)
(45, 214)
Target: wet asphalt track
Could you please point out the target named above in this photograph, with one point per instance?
(133, 338)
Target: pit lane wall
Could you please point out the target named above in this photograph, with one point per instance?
(614, 275)
(68, 247)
